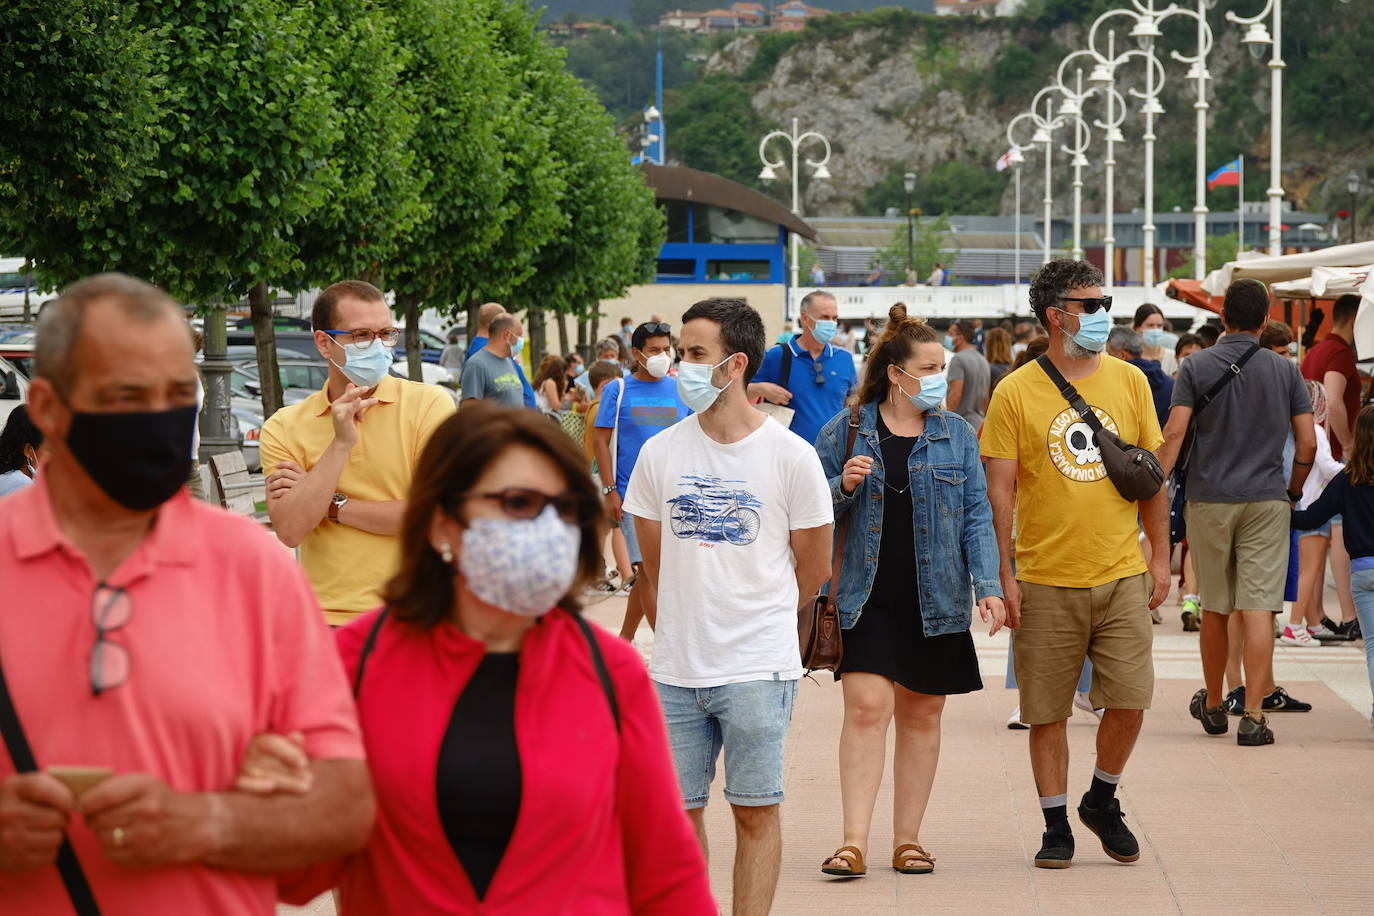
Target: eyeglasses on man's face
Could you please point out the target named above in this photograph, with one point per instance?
(363, 338)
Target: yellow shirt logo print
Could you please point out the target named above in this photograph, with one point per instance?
(1072, 447)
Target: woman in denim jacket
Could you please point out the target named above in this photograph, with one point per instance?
(919, 539)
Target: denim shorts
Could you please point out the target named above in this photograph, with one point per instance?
(627, 528)
(749, 719)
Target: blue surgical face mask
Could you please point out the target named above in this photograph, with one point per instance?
(694, 384)
(825, 329)
(949, 342)
(1092, 330)
(516, 347)
(933, 389)
(1153, 337)
(578, 370)
(365, 367)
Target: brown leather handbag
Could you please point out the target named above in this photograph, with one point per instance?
(818, 620)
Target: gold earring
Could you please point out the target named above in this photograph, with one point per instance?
(446, 552)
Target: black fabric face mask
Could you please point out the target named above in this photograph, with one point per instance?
(140, 460)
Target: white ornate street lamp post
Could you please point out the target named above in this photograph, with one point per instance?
(770, 166)
(1256, 38)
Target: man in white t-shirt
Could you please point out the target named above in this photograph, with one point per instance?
(734, 516)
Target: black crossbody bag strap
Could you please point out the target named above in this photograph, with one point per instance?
(598, 661)
(786, 372)
(68, 866)
(1232, 372)
(1070, 394)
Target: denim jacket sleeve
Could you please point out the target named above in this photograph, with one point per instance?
(830, 443)
(980, 542)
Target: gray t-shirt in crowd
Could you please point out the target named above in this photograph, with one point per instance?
(968, 364)
(492, 378)
(1238, 450)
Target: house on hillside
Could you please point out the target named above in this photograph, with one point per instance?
(680, 21)
(793, 15)
(578, 29)
(751, 15)
(987, 8)
(716, 21)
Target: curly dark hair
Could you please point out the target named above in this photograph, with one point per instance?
(1055, 279)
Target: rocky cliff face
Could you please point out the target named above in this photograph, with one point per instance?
(921, 92)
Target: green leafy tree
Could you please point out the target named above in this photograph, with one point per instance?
(83, 97)
(1220, 249)
(458, 86)
(714, 127)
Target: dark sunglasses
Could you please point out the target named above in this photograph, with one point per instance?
(820, 372)
(111, 609)
(520, 503)
(656, 328)
(1090, 305)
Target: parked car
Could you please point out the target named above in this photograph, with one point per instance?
(19, 355)
(301, 343)
(14, 389)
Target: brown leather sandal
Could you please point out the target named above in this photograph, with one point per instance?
(908, 852)
(851, 854)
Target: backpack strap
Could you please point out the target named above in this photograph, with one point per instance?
(786, 372)
(21, 755)
(602, 672)
(1232, 371)
(367, 649)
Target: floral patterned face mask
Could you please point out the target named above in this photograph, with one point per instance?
(521, 565)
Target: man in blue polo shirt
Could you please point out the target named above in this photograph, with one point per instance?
(807, 374)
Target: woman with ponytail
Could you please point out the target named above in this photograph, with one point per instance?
(918, 551)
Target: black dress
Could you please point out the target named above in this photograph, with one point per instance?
(888, 639)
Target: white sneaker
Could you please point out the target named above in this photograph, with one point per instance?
(1297, 636)
(1015, 721)
(1320, 631)
(1082, 702)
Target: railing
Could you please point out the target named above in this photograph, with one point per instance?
(944, 302)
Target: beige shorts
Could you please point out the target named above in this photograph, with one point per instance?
(1109, 624)
(1240, 554)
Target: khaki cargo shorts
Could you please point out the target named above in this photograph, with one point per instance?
(1109, 624)
(1240, 554)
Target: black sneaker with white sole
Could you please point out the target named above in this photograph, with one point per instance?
(1109, 824)
(1056, 849)
(1213, 720)
(1280, 701)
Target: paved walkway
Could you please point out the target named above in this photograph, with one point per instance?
(1285, 829)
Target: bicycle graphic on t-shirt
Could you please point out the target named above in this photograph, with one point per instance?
(715, 511)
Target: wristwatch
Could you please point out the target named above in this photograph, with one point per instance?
(607, 491)
(335, 504)
(1294, 497)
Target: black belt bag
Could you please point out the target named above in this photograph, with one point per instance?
(1134, 471)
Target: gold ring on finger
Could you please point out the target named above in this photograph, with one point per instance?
(117, 835)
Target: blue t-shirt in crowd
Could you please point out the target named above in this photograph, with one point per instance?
(479, 343)
(646, 409)
(816, 395)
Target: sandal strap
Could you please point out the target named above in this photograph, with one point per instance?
(856, 862)
(911, 851)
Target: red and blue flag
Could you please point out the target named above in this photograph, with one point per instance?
(1227, 175)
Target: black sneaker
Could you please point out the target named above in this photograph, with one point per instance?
(1234, 704)
(1213, 720)
(1056, 849)
(1280, 701)
(1253, 733)
(1110, 826)
(1338, 632)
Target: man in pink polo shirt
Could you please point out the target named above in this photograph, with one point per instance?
(151, 637)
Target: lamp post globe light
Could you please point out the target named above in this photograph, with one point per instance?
(1016, 159)
(1044, 127)
(1101, 81)
(1144, 20)
(1197, 73)
(796, 140)
(1257, 38)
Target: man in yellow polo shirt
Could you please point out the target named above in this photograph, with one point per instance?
(1080, 585)
(340, 462)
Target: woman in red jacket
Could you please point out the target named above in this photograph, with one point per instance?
(519, 755)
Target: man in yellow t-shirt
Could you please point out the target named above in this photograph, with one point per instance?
(339, 464)
(1080, 586)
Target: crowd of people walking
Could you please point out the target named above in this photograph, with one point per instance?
(417, 717)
